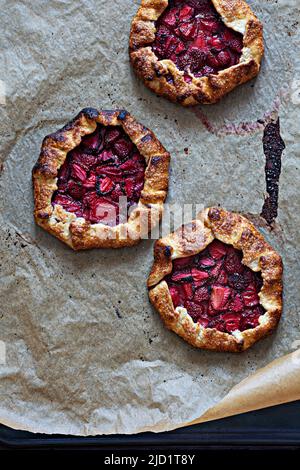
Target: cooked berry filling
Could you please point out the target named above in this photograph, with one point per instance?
(217, 290)
(192, 34)
(103, 168)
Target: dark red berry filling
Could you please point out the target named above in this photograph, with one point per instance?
(103, 168)
(192, 34)
(217, 290)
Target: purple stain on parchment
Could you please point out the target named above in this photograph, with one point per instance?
(273, 149)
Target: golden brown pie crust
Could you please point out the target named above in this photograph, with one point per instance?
(258, 255)
(76, 232)
(236, 14)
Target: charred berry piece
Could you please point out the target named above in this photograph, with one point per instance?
(238, 281)
(192, 34)
(217, 290)
(103, 168)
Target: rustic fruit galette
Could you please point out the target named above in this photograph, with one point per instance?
(99, 179)
(195, 51)
(217, 283)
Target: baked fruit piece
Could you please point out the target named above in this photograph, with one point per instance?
(195, 51)
(217, 283)
(101, 181)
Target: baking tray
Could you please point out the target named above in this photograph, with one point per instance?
(274, 427)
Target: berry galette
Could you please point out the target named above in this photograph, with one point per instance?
(217, 283)
(101, 181)
(195, 51)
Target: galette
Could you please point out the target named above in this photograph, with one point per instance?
(100, 181)
(217, 283)
(195, 51)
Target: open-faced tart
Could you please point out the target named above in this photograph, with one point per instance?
(195, 51)
(217, 283)
(101, 181)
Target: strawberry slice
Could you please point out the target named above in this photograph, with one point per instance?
(75, 189)
(181, 276)
(215, 271)
(68, 203)
(106, 156)
(217, 323)
(188, 30)
(200, 42)
(78, 173)
(109, 171)
(175, 294)
(182, 262)
(250, 319)
(216, 43)
(237, 304)
(212, 60)
(199, 276)
(169, 19)
(188, 290)
(217, 249)
(219, 297)
(180, 48)
(105, 185)
(212, 26)
(250, 296)
(203, 321)
(129, 187)
(111, 135)
(232, 322)
(90, 182)
(92, 141)
(186, 13)
(207, 262)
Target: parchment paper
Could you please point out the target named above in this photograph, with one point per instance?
(85, 352)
